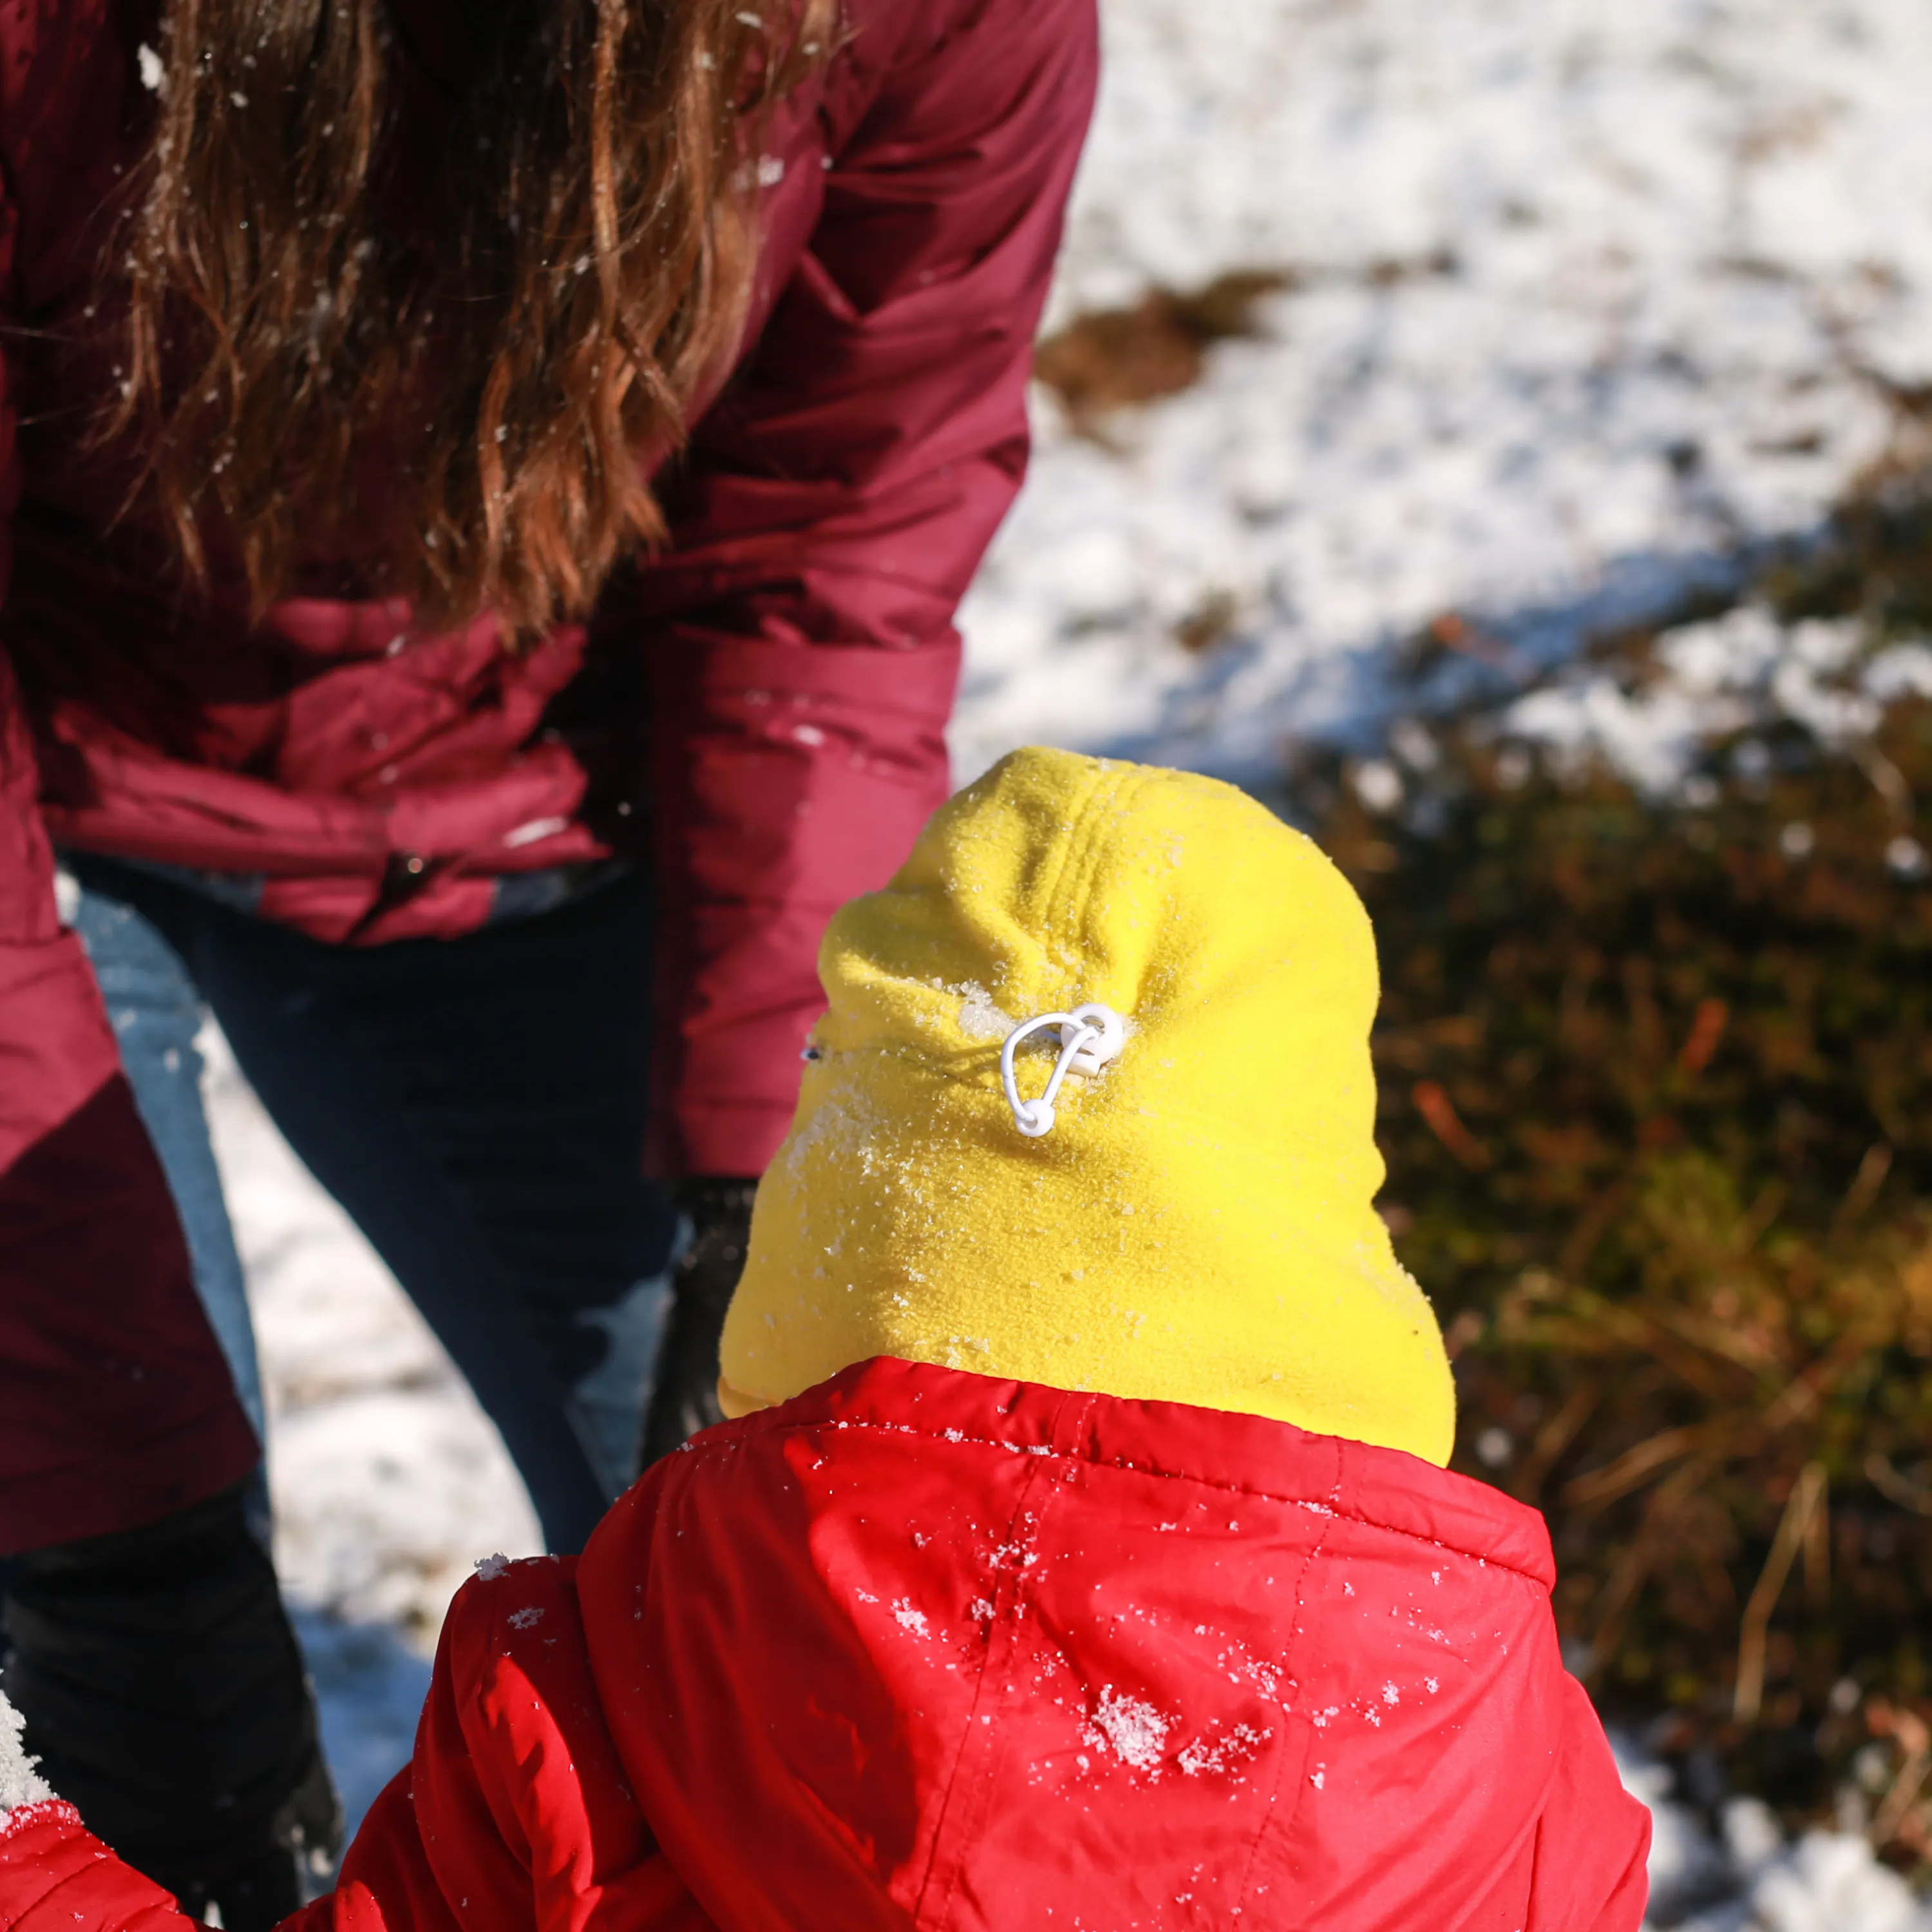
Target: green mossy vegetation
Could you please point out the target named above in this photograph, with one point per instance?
(1657, 1104)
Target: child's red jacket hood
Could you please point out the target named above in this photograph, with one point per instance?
(923, 1649)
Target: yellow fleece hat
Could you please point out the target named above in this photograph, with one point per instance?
(1196, 1224)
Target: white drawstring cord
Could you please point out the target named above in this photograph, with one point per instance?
(1089, 1037)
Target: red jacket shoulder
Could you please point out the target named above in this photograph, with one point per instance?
(945, 1639)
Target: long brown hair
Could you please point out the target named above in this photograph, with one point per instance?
(508, 350)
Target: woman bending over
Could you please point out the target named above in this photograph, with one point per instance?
(487, 489)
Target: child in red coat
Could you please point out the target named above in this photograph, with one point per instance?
(1082, 1556)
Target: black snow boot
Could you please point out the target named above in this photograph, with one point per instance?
(684, 1396)
(164, 1693)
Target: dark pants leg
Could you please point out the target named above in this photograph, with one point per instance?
(476, 1105)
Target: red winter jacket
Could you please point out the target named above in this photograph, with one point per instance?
(769, 697)
(924, 1649)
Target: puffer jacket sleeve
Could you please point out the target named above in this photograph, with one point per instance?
(514, 1812)
(55, 1876)
(115, 1405)
(833, 508)
(1590, 1869)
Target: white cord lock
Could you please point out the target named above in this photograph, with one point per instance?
(1090, 1036)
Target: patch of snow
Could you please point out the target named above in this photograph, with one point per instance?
(1746, 1876)
(1740, 672)
(1378, 784)
(1907, 857)
(1826, 1881)
(1222, 1756)
(20, 1784)
(370, 1680)
(979, 1018)
(1583, 300)
(1902, 671)
(1131, 1727)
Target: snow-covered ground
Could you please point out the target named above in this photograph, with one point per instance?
(1744, 1875)
(389, 1482)
(1588, 294)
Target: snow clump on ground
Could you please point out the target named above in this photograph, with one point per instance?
(20, 1784)
(1745, 1876)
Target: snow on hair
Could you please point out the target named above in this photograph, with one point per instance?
(500, 348)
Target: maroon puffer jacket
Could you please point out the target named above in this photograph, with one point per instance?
(782, 677)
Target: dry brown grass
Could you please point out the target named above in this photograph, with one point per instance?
(1109, 359)
(1658, 1106)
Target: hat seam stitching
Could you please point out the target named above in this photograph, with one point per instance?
(1114, 786)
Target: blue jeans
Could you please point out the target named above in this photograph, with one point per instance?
(476, 1104)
